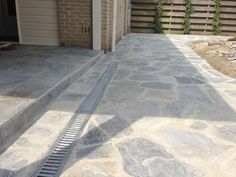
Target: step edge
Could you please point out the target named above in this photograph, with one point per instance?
(29, 116)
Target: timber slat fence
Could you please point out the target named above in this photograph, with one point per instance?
(143, 12)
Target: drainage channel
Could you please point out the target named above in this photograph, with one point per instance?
(53, 164)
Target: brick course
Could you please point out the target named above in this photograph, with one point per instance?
(75, 23)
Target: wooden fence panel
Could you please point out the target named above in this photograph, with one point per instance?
(143, 12)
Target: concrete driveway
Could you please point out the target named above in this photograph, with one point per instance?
(166, 113)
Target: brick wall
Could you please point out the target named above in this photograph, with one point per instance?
(75, 23)
(122, 17)
(119, 20)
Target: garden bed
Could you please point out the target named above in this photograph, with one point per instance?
(221, 55)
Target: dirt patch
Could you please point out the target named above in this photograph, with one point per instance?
(221, 55)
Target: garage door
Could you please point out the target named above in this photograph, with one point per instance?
(38, 22)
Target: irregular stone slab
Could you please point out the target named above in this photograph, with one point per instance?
(15, 170)
(169, 72)
(171, 168)
(91, 168)
(175, 109)
(191, 144)
(7, 173)
(232, 82)
(115, 127)
(160, 65)
(192, 102)
(231, 93)
(199, 125)
(41, 131)
(147, 68)
(163, 59)
(94, 136)
(123, 92)
(142, 149)
(226, 132)
(142, 109)
(190, 93)
(135, 151)
(159, 95)
(203, 103)
(121, 74)
(185, 69)
(24, 142)
(144, 78)
(217, 80)
(96, 152)
(188, 80)
(157, 85)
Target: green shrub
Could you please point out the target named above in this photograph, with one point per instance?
(158, 14)
(216, 25)
(189, 10)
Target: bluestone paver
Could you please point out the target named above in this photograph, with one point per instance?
(166, 113)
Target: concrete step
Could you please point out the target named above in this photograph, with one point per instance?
(13, 126)
(23, 157)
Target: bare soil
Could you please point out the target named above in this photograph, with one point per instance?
(220, 63)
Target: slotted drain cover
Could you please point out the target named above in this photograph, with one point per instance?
(52, 165)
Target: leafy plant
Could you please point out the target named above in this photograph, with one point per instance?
(216, 19)
(189, 10)
(158, 14)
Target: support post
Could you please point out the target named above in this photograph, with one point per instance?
(113, 43)
(97, 27)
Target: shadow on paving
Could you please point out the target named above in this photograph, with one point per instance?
(156, 80)
(30, 69)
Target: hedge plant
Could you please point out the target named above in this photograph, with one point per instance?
(189, 10)
(158, 14)
(216, 19)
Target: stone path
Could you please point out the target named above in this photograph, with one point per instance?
(166, 113)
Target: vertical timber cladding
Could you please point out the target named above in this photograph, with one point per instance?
(75, 23)
(143, 12)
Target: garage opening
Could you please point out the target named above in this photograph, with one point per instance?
(8, 21)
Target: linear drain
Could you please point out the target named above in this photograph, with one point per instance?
(53, 164)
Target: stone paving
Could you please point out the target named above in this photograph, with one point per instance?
(22, 158)
(23, 72)
(166, 113)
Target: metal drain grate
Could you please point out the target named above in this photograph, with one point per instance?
(52, 165)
